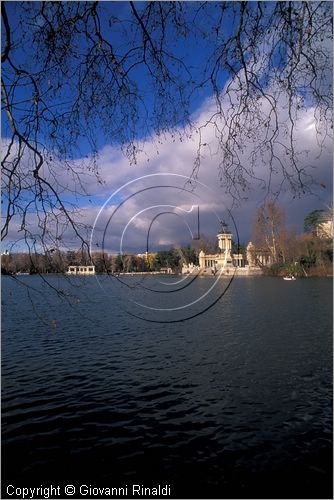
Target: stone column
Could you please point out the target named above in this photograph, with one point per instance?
(201, 259)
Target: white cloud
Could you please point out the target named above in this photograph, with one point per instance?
(176, 157)
(174, 154)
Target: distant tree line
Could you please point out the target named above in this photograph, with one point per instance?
(304, 254)
(58, 261)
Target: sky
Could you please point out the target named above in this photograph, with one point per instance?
(175, 159)
(125, 198)
(131, 196)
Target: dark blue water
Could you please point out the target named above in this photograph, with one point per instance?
(234, 403)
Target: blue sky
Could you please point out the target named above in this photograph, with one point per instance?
(173, 152)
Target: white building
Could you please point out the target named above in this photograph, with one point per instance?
(258, 257)
(324, 227)
(226, 262)
(166, 270)
(81, 270)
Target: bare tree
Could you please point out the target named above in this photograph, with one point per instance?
(209, 244)
(269, 230)
(71, 69)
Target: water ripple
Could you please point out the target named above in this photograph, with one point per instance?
(226, 403)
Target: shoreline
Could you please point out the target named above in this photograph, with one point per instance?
(157, 273)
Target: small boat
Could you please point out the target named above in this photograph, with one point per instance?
(289, 278)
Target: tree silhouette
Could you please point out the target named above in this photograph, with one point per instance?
(77, 71)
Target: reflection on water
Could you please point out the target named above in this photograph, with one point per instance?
(234, 403)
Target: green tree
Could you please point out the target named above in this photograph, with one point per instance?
(71, 257)
(140, 264)
(188, 255)
(101, 262)
(119, 266)
(151, 262)
(168, 258)
(312, 219)
(238, 248)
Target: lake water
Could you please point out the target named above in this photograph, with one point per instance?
(233, 403)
